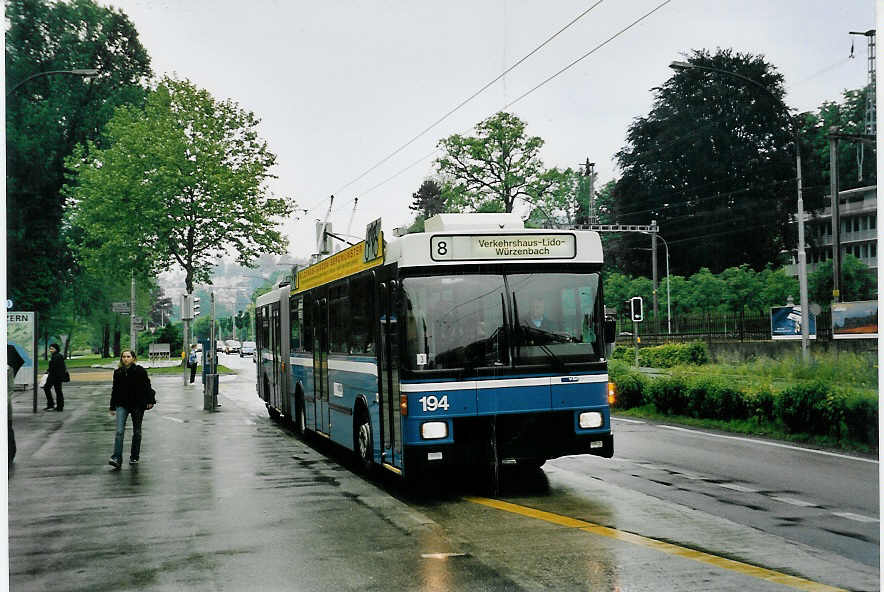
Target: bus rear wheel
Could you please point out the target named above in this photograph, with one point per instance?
(271, 410)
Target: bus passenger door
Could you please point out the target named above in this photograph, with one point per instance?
(320, 364)
(391, 432)
(277, 357)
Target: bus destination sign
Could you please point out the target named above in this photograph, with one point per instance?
(484, 247)
(339, 265)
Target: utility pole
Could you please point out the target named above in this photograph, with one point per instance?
(836, 215)
(589, 172)
(871, 114)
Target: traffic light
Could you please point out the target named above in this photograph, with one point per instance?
(196, 306)
(186, 307)
(635, 309)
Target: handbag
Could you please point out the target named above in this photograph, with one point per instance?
(43, 380)
(67, 376)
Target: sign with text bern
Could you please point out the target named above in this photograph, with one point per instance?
(483, 247)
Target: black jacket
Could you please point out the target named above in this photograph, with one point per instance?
(132, 389)
(56, 369)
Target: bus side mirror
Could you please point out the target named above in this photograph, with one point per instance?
(610, 330)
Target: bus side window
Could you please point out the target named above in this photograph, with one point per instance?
(307, 326)
(361, 316)
(339, 319)
(295, 337)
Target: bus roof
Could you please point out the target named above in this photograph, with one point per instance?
(454, 239)
(457, 239)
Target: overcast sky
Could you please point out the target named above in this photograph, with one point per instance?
(340, 85)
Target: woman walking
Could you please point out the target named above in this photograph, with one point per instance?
(56, 374)
(131, 395)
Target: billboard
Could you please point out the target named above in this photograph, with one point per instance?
(785, 322)
(21, 333)
(855, 320)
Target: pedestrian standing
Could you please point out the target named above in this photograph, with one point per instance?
(56, 375)
(191, 362)
(14, 362)
(131, 395)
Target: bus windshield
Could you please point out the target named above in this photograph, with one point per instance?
(491, 320)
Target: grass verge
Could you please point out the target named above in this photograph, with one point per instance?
(749, 427)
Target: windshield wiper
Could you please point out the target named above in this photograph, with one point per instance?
(557, 362)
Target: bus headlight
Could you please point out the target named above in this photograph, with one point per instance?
(434, 430)
(590, 419)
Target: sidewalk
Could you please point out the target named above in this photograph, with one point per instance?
(223, 500)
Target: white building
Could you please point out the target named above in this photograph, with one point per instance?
(858, 211)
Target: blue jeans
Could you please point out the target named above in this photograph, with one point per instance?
(137, 416)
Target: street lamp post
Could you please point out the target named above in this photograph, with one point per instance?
(668, 299)
(668, 302)
(83, 72)
(802, 255)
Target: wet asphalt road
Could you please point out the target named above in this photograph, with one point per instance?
(229, 500)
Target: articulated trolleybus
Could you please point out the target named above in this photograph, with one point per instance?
(475, 341)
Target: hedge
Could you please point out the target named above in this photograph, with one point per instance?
(814, 408)
(668, 355)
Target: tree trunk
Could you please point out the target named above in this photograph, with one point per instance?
(105, 341)
(67, 343)
(117, 350)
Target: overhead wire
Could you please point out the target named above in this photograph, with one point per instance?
(538, 86)
(464, 101)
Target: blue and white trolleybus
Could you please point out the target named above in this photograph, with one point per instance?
(475, 341)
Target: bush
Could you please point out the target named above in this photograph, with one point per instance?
(665, 356)
(760, 405)
(728, 403)
(861, 418)
(669, 395)
(798, 408)
(630, 386)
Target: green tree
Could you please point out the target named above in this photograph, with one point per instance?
(182, 182)
(558, 204)
(857, 282)
(849, 117)
(776, 288)
(47, 117)
(494, 168)
(616, 289)
(679, 294)
(427, 200)
(713, 163)
(707, 290)
(743, 288)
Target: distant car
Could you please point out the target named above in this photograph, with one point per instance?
(233, 346)
(248, 349)
(220, 347)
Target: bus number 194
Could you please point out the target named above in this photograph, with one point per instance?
(432, 403)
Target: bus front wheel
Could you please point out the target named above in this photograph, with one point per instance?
(300, 417)
(363, 444)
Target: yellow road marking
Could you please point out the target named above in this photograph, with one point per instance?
(721, 562)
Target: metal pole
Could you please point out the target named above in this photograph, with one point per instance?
(186, 336)
(668, 300)
(836, 215)
(133, 335)
(654, 271)
(802, 256)
(635, 340)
